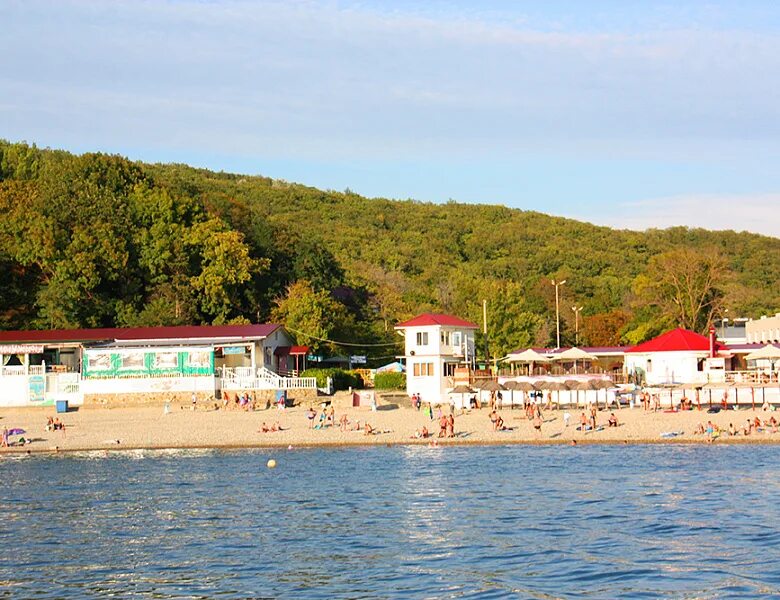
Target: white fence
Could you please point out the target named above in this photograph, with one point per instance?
(243, 378)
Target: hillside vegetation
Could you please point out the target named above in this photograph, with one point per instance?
(98, 240)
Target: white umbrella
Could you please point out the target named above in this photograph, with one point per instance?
(769, 351)
(575, 354)
(528, 356)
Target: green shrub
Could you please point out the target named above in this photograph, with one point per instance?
(390, 381)
(342, 379)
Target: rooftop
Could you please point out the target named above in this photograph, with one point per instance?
(428, 319)
(139, 334)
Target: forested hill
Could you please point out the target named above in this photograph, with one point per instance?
(98, 240)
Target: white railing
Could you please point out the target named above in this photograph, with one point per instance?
(12, 371)
(756, 377)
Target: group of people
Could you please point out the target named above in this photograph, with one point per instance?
(327, 417)
(447, 426)
(54, 424)
(238, 401)
(712, 430)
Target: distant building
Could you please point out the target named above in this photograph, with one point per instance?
(678, 356)
(765, 330)
(436, 345)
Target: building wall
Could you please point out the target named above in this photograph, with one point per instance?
(668, 367)
(135, 385)
(764, 330)
(114, 363)
(425, 350)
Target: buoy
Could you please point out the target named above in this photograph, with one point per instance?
(271, 463)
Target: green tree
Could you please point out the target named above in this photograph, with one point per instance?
(311, 316)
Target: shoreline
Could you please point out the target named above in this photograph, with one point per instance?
(149, 428)
(29, 451)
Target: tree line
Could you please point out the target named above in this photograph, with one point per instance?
(97, 240)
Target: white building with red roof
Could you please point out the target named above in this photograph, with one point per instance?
(678, 356)
(435, 345)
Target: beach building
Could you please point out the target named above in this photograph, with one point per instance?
(765, 330)
(678, 356)
(84, 365)
(436, 346)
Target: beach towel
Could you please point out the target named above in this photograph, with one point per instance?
(671, 434)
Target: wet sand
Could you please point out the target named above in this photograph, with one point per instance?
(149, 427)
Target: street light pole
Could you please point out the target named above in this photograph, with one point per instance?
(557, 284)
(577, 310)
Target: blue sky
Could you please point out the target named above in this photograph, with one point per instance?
(632, 114)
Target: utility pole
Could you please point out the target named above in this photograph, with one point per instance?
(577, 310)
(557, 284)
(484, 332)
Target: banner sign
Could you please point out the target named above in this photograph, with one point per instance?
(20, 349)
(37, 388)
(234, 350)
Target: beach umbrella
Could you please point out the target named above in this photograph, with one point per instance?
(575, 354)
(556, 386)
(529, 356)
(769, 351)
(491, 385)
(462, 390)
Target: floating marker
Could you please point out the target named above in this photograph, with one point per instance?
(271, 463)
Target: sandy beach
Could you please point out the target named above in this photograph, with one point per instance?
(182, 427)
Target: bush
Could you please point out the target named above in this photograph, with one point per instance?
(390, 381)
(342, 379)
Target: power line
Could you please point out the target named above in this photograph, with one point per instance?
(341, 343)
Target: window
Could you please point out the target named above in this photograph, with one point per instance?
(445, 338)
(649, 366)
(423, 369)
(456, 339)
(422, 338)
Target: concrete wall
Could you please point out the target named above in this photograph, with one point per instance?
(148, 385)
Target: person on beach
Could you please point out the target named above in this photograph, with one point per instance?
(583, 422)
(344, 422)
(330, 416)
(612, 421)
(442, 425)
(538, 425)
(747, 428)
(368, 430)
(430, 411)
(451, 425)
(498, 422)
(757, 423)
(593, 418)
(322, 419)
(732, 430)
(773, 424)
(566, 419)
(4, 442)
(310, 414)
(699, 429)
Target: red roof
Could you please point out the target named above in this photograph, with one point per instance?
(436, 319)
(677, 340)
(291, 350)
(183, 332)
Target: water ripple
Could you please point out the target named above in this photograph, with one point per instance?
(530, 522)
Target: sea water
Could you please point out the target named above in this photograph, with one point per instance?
(394, 522)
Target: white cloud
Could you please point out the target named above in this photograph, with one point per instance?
(757, 213)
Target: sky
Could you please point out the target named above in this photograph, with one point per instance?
(632, 114)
